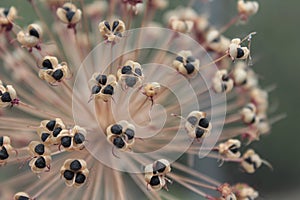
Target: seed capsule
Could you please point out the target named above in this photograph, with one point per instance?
(75, 172)
(69, 14)
(244, 192)
(186, 64)
(197, 125)
(7, 16)
(112, 31)
(22, 196)
(222, 82)
(251, 161)
(121, 135)
(31, 37)
(8, 96)
(73, 139)
(52, 71)
(246, 9)
(102, 86)
(155, 174)
(230, 148)
(131, 74)
(235, 50)
(49, 130)
(248, 114)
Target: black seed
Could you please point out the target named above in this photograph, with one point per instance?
(193, 120)
(116, 129)
(190, 59)
(118, 142)
(79, 138)
(66, 141)
(70, 15)
(159, 167)
(253, 120)
(179, 58)
(204, 122)
(56, 131)
(130, 133)
(23, 198)
(240, 53)
(154, 181)
(6, 11)
(50, 125)
(225, 78)
(102, 79)
(126, 70)
(115, 25)
(58, 74)
(39, 149)
(217, 39)
(199, 132)
(3, 154)
(189, 68)
(6, 97)
(68, 175)
(108, 90)
(34, 32)
(1, 93)
(1, 140)
(96, 89)
(224, 87)
(107, 25)
(66, 9)
(233, 149)
(44, 136)
(249, 160)
(47, 64)
(80, 178)
(75, 165)
(138, 71)
(244, 82)
(130, 81)
(40, 162)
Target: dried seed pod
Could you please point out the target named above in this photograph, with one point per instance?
(259, 97)
(197, 125)
(52, 71)
(31, 38)
(8, 96)
(69, 14)
(244, 192)
(155, 174)
(216, 41)
(131, 74)
(249, 115)
(102, 86)
(7, 16)
(151, 89)
(75, 172)
(5, 149)
(22, 196)
(244, 76)
(183, 26)
(230, 148)
(222, 82)
(111, 32)
(121, 135)
(186, 64)
(246, 9)
(235, 50)
(40, 163)
(226, 192)
(252, 161)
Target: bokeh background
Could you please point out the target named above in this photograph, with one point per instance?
(275, 50)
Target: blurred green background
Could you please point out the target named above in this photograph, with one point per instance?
(275, 50)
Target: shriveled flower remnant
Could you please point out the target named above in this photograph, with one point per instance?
(49, 151)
